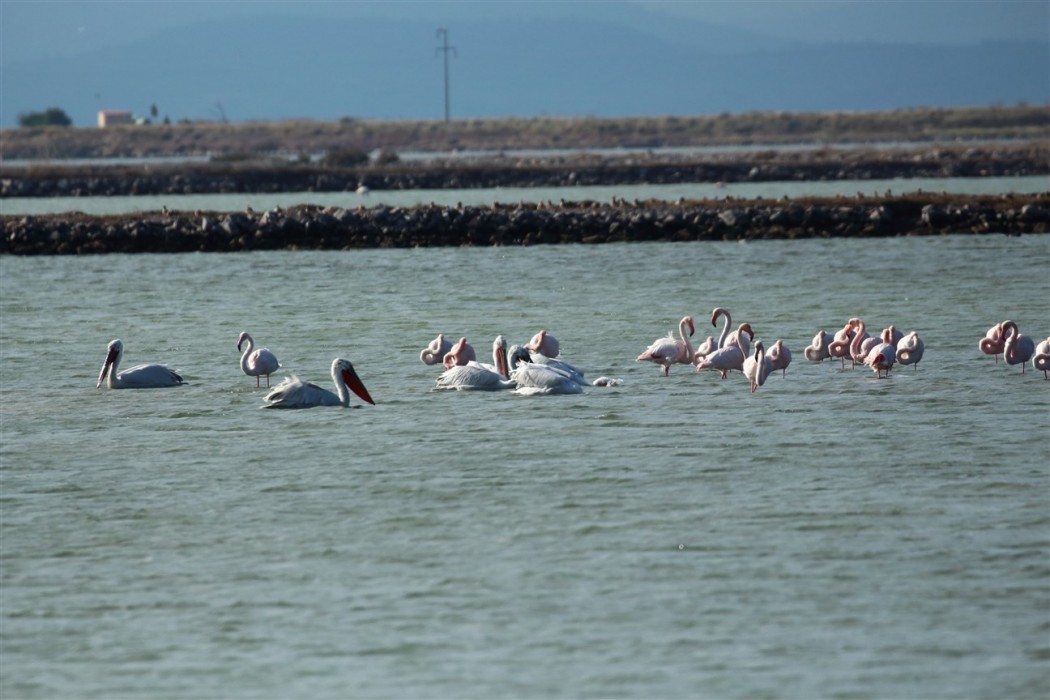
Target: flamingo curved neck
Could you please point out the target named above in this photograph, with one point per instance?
(247, 353)
(685, 338)
(725, 329)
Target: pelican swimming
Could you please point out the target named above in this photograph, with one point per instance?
(295, 393)
(256, 363)
(149, 376)
(479, 377)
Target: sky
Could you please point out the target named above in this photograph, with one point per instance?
(31, 29)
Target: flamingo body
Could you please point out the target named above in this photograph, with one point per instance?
(1017, 348)
(910, 349)
(992, 342)
(433, 353)
(1041, 358)
(256, 363)
(667, 351)
(146, 376)
(545, 343)
(757, 367)
(461, 353)
(295, 393)
(817, 351)
(779, 357)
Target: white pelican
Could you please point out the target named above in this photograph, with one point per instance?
(137, 377)
(256, 363)
(295, 393)
(534, 378)
(757, 367)
(667, 351)
(478, 377)
(910, 349)
(433, 353)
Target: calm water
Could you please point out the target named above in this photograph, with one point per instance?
(487, 197)
(832, 535)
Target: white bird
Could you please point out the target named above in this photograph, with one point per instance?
(817, 351)
(779, 357)
(1041, 358)
(477, 376)
(148, 376)
(433, 353)
(910, 349)
(532, 378)
(256, 363)
(1017, 348)
(295, 393)
(731, 356)
(757, 367)
(667, 351)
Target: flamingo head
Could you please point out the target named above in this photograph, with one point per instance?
(243, 337)
(114, 351)
(688, 320)
(746, 328)
(718, 311)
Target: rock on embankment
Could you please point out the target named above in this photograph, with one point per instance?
(312, 227)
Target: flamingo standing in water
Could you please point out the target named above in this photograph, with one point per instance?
(1017, 349)
(479, 377)
(1041, 358)
(992, 342)
(460, 354)
(256, 363)
(817, 351)
(757, 367)
(882, 355)
(149, 376)
(667, 351)
(910, 349)
(779, 357)
(544, 343)
(435, 352)
(840, 342)
(731, 356)
(295, 393)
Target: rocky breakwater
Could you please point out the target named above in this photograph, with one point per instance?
(587, 222)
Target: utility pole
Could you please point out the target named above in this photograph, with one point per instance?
(445, 48)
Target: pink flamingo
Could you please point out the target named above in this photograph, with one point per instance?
(544, 343)
(882, 355)
(779, 357)
(817, 351)
(460, 354)
(840, 342)
(910, 349)
(667, 351)
(757, 367)
(732, 355)
(992, 342)
(728, 337)
(256, 363)
(1017, 349)
(1041, 358)
(435, 352)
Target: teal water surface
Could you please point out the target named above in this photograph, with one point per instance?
(831, 535)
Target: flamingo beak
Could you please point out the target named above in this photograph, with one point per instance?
(355, 385)
(692, 328)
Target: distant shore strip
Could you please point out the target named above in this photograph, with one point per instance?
(310, 227)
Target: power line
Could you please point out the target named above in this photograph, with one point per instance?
(445, 49)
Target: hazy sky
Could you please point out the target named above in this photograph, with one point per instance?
(32, 29)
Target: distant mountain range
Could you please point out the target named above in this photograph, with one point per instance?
(274, 68)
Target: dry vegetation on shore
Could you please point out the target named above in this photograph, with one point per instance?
(312, 137)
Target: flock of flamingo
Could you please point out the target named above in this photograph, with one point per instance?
(536, 368)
